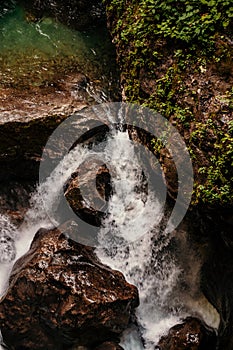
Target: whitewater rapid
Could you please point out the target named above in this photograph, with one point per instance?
(131, 239)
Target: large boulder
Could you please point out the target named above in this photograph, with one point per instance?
(191, 334)
(89, 191)
(28, 117)
(61, 294)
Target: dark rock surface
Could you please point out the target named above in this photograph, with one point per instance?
(93, 184)
(109, 346)
(192, 334)
(60, 294)
(28, 118)
(217, 282)
(201, 90)
(14, 199)
(170, 176)
(78, 14)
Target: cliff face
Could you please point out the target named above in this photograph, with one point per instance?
(175, 57)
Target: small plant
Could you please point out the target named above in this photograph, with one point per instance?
(168, 41)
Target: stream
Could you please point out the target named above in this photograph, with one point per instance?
(132, 238)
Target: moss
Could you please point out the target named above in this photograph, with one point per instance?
(175, 57)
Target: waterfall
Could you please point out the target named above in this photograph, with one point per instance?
(132, 238)
(144, 253)
(133, 221)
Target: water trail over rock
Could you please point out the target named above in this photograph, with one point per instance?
(131, 239)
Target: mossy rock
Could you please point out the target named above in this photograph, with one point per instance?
(185, 73)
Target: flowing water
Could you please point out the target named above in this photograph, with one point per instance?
(132, 238)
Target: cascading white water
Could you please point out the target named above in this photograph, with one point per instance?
(131, 239)
(144, 254)
(133, 221)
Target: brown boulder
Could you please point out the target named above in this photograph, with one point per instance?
(87, 192)
(27, 113)
(192, 334)
(60, 295)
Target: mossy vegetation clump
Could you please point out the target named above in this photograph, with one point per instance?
(176, 58)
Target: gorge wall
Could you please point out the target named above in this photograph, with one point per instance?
(173, 59)
(176, 58)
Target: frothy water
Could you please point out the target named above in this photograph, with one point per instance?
(8, 235)
(145, 253)
(131, 239)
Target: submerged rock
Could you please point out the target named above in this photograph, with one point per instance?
(6, 6)
(52, 73)
(61, 294)
(192, 334)
(77, 14)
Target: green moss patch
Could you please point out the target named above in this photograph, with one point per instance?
(176, 58)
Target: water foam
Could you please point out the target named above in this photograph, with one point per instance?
(134, 221)
(131, 239)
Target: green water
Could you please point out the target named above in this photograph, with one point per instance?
(35, 54)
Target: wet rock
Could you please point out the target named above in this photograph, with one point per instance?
(165, 159)
(61, 294)
(27, 119)
(77, 14)
(201, 92)
(88, 192)
(217, 282)
(192, 334)
(14, 199)
(109, 346)
(211, 239)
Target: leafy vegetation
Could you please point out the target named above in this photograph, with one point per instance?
(218, 173)
(175, 57)
(190, 21)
